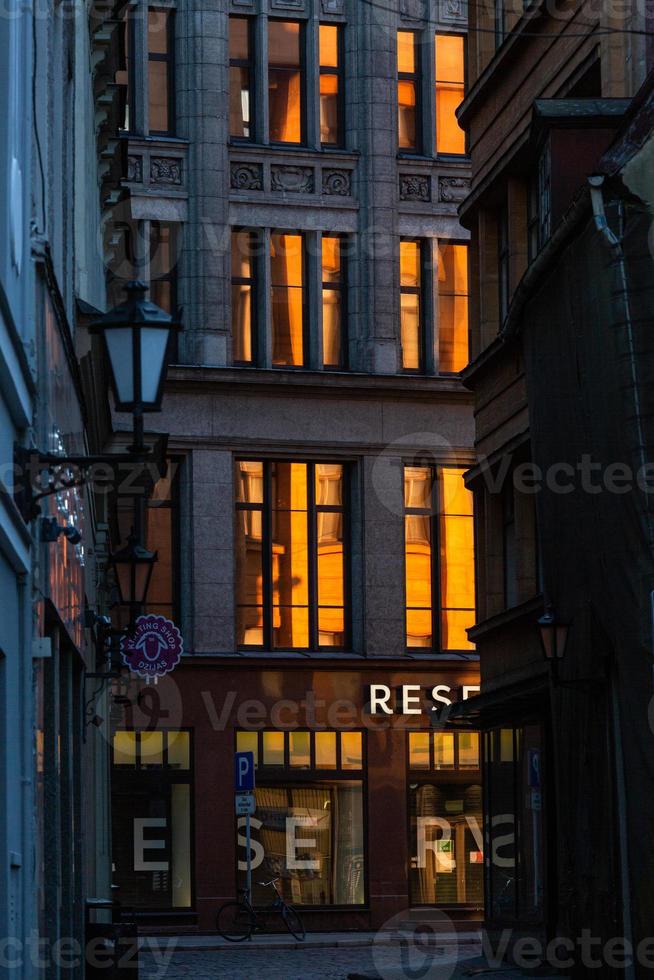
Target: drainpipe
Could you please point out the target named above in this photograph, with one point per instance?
(615, 244)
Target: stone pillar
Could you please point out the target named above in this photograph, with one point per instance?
(212, 585)
(377, 186)
(202, 97)
(383, 556)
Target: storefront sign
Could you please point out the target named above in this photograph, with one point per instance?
(412, 699)
(154, 648)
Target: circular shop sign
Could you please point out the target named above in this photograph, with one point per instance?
(154, 647)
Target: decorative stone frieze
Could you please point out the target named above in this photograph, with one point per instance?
(135, 169)
(412, 9)
(337, 182)
(453, 190)
(246, 176)
(415, 187)
(453, 11)
(165, 170)
(293, 180)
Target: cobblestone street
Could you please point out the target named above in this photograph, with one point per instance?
(388, 962)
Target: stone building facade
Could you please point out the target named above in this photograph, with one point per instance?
(304, 170)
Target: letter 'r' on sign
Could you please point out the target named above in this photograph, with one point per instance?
(244, 772)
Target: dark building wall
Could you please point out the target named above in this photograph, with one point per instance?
(598, 565)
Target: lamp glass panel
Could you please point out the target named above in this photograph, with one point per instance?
(154, 344)
(124, 579)
(119, 349)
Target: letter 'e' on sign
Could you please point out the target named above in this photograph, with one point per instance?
(244, 772)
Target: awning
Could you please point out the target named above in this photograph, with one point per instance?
(503, 705)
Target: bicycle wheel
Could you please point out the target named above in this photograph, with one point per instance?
(235, 921)
(293, 922)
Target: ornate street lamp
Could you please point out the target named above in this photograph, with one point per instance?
(133, 566)
(136, 337)
(553, 636)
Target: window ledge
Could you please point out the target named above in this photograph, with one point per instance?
(333, 383)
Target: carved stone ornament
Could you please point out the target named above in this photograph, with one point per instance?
(453, 190)
(337, 182)
(412, 9)
(243, 3)
(287, 4)
(294, 180)
(165, 170)
(135, 169)
(246, 176)
(333, 7)
(453, 11)
(415, 187)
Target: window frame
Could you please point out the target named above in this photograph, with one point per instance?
(280, 777)
(251, 64)
(169, 59)
(439, 294)
(339, 74)
(437, 153)
(313, 509)
(302, 44)
(254, 282)
(436, 649)
(420, 292)
(342, 289)
(305, 287)
(415, 79)
(171, 776)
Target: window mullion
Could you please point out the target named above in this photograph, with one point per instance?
(430, 304)
(313, 293)
(312, 516)
(267, 535)
(309, 54)
(436, 614)
(264, 303)
(260, 82)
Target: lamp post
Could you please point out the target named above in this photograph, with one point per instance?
(136, 336)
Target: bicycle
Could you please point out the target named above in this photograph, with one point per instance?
(237, 921)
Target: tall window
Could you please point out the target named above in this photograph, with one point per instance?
(407, 90)
(122, 75)
(243, 296)
(160, 71)
(333, 302)
(445, 818)
(449, 53)
(240, 78)
(439, 558)
(285, 81)
(151, 788)
(452, 307)
(411, 304)
(163, 264)
(503, 278)
(308, 826)
(291, 555)
(287, 283)
(330, 85)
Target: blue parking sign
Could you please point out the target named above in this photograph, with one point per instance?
(244, 772)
